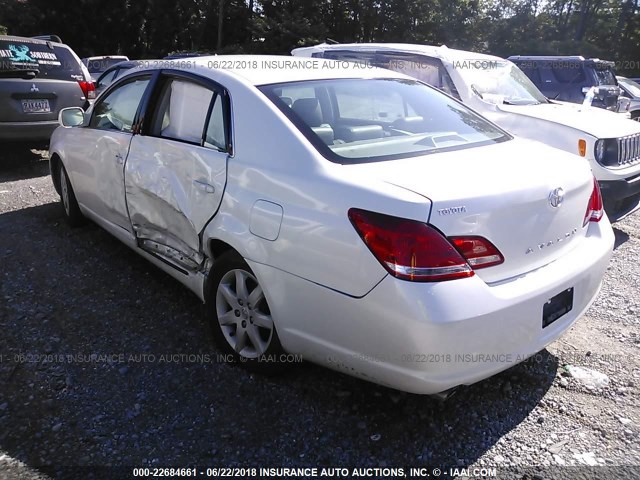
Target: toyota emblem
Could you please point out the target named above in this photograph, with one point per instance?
(556, 197)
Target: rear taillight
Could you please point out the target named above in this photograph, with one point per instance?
(478, 251)
(89, 90)
(595, 208)
(415, 251)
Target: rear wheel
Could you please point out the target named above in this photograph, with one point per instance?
(240, 317)
(68, 199)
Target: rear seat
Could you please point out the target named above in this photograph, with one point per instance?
(353, 133)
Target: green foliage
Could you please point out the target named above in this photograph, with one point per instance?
(3, 30)
(153, 28)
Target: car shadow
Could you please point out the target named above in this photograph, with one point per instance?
(620, 237)
(108, 361)
(22, 162)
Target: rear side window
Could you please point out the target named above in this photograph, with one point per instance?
(118, 109)
(51, 61)
(182, 111)
(215, 136)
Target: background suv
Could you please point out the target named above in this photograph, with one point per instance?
(38, 78)
(569, 78)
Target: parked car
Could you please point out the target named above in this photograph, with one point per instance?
(38, 78)
(181, 55)
(97, 65)
(110, 74)
(499, 90)
(361, 219)
(631, 90)
(571, 78)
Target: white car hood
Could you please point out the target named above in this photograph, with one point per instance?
(597, 122)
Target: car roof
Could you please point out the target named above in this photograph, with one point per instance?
(15, 38)
(104, 57)
(562, 58)
(270, 69)
(442, 52)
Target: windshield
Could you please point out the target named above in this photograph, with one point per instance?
(361, 120)
(499, 82)
(632, 87)
(46, 59)
(605, 76)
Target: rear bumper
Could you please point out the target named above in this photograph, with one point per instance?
(429, 337)
(621, 197)
(27, 131)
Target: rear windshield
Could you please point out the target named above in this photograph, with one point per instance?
(364, 120)
(50, 61)
(99, 65)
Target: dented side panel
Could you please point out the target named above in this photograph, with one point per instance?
(173, 189)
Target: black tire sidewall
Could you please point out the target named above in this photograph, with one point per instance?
(74, 216)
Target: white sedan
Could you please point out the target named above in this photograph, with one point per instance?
(352, 216)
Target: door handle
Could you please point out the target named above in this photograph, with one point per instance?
(119, 159)
(204, 186)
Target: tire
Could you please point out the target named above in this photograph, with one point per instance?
(242, 330)
(635, 116)
(68, 200)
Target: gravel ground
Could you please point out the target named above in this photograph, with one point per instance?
(80, 292)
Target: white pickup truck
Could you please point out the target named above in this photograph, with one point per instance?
(500, 91)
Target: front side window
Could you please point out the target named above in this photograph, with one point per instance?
(182, 111)
(363, 120)
(118, 109)
(500, 82)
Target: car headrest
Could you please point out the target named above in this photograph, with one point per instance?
(309, 110)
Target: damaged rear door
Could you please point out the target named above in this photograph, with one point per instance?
(176, 170)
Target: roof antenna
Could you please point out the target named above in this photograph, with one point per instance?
(331, 41)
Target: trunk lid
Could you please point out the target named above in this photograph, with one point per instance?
(503, 193)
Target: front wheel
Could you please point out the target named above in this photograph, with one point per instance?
(240, 317)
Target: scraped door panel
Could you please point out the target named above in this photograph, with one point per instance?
(172, 191)
(173, 185)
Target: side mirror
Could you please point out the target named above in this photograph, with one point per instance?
(71, 117)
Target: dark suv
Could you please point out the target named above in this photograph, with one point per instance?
(38, 78)
(570, 78)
